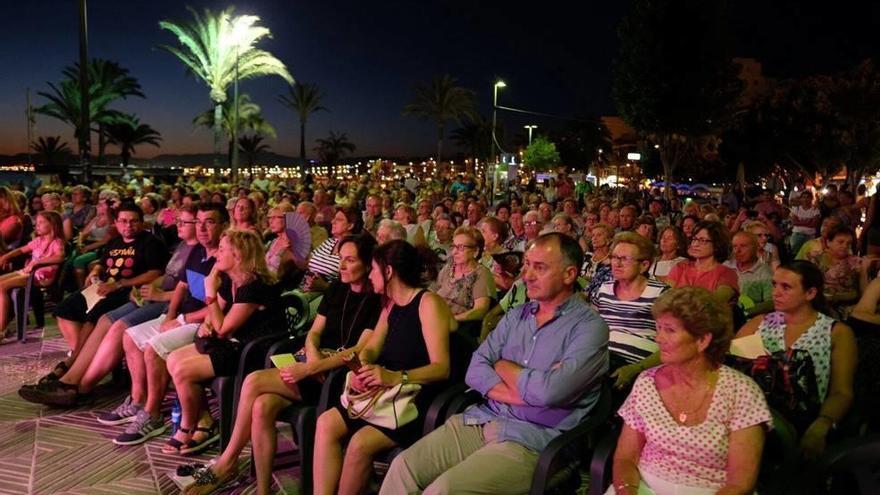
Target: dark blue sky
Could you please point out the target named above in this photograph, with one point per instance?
(554, 55)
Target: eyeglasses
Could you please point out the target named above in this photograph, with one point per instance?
(701, 241)
(462, 247)
(624, 260)
(185, 222)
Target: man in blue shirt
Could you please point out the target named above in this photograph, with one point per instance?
(540, 370)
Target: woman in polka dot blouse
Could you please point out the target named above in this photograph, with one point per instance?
(691, 426)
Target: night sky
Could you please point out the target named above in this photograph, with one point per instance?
(555, 56)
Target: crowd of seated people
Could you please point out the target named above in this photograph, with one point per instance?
(562, 289)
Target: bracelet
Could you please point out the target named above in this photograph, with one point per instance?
(830, 420)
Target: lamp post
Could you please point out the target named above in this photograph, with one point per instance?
(85, 143)
(530, 127)
(498, 84)
(235, 120)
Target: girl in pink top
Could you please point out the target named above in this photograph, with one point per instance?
(47, 246)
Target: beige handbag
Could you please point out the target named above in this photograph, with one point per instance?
(388, 407)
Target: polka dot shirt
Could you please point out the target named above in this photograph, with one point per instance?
(694, 456)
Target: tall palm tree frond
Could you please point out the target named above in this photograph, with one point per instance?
(131, 133)
(304, 99)
(440, 101)
(333, 147)
(250, 118)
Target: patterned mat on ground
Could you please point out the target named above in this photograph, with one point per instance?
(46, 450)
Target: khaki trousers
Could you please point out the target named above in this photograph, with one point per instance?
(461, 459)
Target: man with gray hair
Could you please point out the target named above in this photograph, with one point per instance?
(755, 277)
(540, 371)
(390, 230)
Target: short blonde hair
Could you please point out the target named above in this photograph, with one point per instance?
(644, 246)
(701, 314)
(475, 236)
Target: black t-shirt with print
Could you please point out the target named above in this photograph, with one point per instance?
(125, 260)
(199, 263)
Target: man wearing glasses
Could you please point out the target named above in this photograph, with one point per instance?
(133, 259)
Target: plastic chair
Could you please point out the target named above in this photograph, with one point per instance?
(35, 296)
(853, 466)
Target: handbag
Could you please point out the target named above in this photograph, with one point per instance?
(388, 407)
(211, 344)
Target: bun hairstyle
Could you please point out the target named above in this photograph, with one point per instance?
(414, 267)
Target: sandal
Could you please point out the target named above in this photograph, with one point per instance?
(188, 469)
(57, 372)
(205, 480)
(212, 435)
(175, 446)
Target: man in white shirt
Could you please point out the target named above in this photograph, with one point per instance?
(805, 220)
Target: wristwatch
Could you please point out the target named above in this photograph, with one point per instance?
(404, 377)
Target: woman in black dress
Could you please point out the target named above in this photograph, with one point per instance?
(410, 345)
(242, 303)
(345, 321)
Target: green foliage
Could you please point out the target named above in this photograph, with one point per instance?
(333, 147)
(674, 80)
(440, 101)
(252, 146)
(541, 154)
(217, 47)
(108, 82)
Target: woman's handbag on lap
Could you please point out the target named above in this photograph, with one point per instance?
(388, 407)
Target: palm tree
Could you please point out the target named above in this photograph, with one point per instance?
(334, 147)
(108, 82)
(250, 118)
(440, 101)
(217, 48)
(106, 77)
(52, 150)
(304, 99)
(129, 134)
(475, 136)
(252, 146)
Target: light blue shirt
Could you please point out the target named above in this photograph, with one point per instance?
(564, 363)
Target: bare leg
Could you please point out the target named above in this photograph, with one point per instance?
(70, 330)
(327, 462)
(8, 282)
(264, 437)
(107, 356)
(87, 352)
(188, 369)
(358, 463)
(134, 358)
(157, 380)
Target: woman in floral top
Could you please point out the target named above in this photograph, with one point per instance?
(842, 272)
(465, 284)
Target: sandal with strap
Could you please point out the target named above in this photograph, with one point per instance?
(175, 446)
(205, 480)
(57, 372)
(212, 436)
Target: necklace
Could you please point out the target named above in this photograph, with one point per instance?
(345, 336)
(683, 415)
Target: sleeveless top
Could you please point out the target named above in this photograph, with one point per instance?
(405, 347)
(816, 341)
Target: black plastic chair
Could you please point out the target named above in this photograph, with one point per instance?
(853, 466)
(561, 461)
(253, 357)
(35, 296)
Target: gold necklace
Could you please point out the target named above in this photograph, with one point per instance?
(683, 415)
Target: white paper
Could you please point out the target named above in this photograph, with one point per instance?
(92, 297)
(749, 347)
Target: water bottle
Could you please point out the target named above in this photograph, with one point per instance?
(175, 416)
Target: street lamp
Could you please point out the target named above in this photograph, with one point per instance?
(498, 84)
(530, 127)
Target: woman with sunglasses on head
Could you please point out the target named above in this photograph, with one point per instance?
(709, 248)
(345, 320)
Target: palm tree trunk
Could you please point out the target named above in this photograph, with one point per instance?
(440, 129)
(102, 145)
(302, 143)
(218, 135)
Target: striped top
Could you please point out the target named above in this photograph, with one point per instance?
(325, 261)
(630, 322)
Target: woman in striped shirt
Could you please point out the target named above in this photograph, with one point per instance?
(324, 259)
(625, 304)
